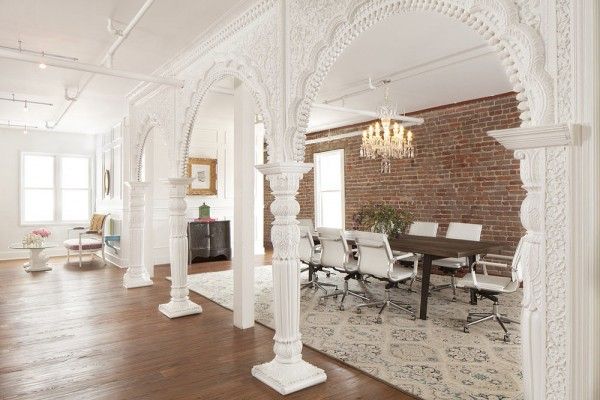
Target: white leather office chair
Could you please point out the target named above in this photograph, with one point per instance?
(456, 230)
(336, 254)
(308, 223)
(375, 259)
(491, 286)
(419, 228)
(310, 254)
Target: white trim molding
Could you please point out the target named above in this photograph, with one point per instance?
(533, 137)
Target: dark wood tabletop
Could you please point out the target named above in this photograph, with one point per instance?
(442, 247)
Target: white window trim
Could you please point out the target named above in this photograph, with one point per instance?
(57, 189)
(317, 190)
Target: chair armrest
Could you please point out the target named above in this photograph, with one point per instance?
(499, 257)
(402, 257)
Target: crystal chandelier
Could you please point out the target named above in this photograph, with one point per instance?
(386, 138)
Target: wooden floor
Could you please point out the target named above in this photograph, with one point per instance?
(75, 333)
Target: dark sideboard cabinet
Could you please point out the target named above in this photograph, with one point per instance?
(208, 240)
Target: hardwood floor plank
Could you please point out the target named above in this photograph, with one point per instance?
(74, 333)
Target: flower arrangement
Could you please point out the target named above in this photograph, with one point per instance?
(32, 240)
(36, 237)
(43, 232)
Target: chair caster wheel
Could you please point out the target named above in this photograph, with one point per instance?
(358, 311)
(379, 320)
(466, 329)
(408, 306)
(342, 308)
(506, 338)
(335, 297)
(328, 274)
(454, 299)
(413, 317)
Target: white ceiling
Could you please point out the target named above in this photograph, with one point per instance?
(77, 28)
(432, 60)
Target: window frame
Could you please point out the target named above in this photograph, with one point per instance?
(57, 188)
(317, 190)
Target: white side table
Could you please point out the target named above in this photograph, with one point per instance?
(38, 261)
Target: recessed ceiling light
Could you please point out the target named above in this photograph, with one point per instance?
(42, 66)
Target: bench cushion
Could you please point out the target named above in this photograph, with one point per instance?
(86, 244)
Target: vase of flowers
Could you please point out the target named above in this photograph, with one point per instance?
(36, 238)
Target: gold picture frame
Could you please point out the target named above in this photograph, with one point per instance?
(204, 172)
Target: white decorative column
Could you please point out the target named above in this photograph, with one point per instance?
(243, 209)
(287, 372)
(180, 304)
(136, 275)
(531, 146)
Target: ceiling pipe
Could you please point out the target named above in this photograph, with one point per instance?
(404, 118)
(92, 68)
(108, 58)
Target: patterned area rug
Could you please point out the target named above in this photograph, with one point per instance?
(432, 359)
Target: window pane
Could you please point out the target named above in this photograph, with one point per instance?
(74, 173)
(330, 171)
(331, 210)
(38, 171)
(38, 205)
(75, 205)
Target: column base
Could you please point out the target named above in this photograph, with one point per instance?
(176, 309)
(131, 282)
(288, 378)
(38, 268)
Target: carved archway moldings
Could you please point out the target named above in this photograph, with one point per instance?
(143, 132)
(236, 67)
(518, 44)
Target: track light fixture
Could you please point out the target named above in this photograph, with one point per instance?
(26, 102)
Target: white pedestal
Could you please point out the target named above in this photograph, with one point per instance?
(288, 378)
(176, 309)
(38, 261)
(131, 281)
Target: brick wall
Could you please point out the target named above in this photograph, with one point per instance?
(458, 174)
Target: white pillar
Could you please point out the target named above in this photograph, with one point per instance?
(243, 211)
(136, 275)
(287, 372)
(180, 303)
(259, 198)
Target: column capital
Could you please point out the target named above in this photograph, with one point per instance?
(284, 168)
(138, 185)
(532, 137)
(177, 181)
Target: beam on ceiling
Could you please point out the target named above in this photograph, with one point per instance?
(404, 118)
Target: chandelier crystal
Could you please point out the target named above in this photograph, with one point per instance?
(386, 138)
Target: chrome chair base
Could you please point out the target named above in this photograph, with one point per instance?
(493, 316)
(452, 285)
(344, 293)
(314, 283)
(388, 302)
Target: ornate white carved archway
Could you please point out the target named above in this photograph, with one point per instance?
(236, 67)
(521, 51)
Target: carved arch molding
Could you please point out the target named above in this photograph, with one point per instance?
(318, 32)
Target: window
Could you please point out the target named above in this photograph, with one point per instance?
(329, 189)
(55, 188)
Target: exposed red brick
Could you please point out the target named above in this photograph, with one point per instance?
(458, 174)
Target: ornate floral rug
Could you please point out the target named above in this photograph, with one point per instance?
(432, 359)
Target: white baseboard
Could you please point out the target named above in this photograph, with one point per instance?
(24, 254)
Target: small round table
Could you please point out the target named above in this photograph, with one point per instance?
(38, 261)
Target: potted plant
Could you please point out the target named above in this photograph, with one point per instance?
(382, 218)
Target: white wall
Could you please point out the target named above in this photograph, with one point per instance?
(12, 143)
(109, 154)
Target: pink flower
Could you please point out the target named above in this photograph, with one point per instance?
(43, 232)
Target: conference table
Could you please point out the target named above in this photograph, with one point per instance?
(433, 248)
